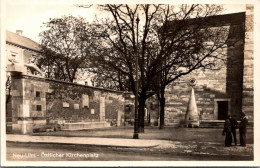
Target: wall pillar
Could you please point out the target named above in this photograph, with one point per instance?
(248, 78)
(28, 103)
(21, 121)
(102, 109)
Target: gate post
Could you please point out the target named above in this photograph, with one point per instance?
(21, 121)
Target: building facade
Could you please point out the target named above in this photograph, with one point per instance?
(228, 91)
(218, 93)
(21, 51)
(20, 48)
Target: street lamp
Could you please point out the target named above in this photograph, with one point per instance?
(136, 85)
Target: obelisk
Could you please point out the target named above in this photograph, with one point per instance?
(191, 116)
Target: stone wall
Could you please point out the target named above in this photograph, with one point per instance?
(28, 103)
(248, 78)
(39, 102)
(67, 102)
(212, 87)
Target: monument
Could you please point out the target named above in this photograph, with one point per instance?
(191, 116)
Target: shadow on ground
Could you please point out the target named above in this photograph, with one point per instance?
(168, 133)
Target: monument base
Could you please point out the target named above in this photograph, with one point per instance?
(192, 121)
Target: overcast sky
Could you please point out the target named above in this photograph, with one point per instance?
(29, 15)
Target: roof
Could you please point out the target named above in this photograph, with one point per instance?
(21, 41)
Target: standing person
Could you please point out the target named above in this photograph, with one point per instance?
(242, 129)
(234, 126)
(227, 132)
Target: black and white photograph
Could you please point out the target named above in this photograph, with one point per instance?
(147, 83)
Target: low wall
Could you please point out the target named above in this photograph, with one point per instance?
(38, 103)
(71, 103)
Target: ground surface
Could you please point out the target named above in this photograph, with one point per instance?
(42, 152)
(46, 152)
(194, 144)
(168, 133)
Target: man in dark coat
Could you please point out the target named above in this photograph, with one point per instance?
(234, 126)
(242, 129)
(227, 132)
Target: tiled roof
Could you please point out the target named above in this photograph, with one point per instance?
(21, 41)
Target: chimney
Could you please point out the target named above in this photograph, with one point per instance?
(19, 32)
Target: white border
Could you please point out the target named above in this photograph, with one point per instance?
(2, 81)
(256, 161)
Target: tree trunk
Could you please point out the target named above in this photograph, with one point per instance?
(141, 114)
(162, 105)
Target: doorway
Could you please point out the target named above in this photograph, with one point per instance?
(222, 110)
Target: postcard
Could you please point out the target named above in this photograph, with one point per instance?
(129, 84)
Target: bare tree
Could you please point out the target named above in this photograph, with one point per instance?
(191, 43)
(170, 40)
(110, 79)
(66, 45)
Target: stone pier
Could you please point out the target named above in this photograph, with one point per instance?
(248, 76)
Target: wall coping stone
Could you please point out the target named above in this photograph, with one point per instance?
(34, 77)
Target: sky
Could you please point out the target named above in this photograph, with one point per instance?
(29, 15)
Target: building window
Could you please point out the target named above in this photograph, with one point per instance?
(39, 108)
(14, 56)
(38, 94)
